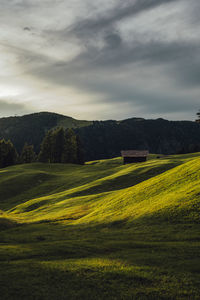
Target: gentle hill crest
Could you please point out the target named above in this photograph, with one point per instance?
(116, 191)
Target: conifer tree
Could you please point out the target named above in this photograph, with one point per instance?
(45, 154)
(28, 155)
(80, 151)
(58, 145)
(8, 154)
(53, 146)
(70, 152)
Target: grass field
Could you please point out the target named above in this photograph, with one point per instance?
(101, 231)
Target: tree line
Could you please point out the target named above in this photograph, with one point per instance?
(58, 146)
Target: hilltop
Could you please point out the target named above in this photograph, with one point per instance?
(101, 231)
(105, 139)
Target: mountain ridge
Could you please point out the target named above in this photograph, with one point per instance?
(105, 139)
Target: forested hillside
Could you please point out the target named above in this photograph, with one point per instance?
(32, 128)
(105, 139)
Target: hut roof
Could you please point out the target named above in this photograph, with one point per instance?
(134, 153)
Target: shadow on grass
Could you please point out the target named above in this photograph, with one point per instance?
(69, 280)
(107, 261)
(6, 223)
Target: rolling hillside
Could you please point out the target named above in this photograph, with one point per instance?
(101, 231)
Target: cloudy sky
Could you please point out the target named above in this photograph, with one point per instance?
(102, 59)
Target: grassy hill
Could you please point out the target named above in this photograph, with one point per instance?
(101, 231)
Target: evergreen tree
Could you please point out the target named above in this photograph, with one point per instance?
(70, 149)
(8, 154)
(46, 154)
(80, 151)
(53, 147)
(58, 145)
(28, 155)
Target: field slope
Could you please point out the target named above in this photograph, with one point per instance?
(102, 230)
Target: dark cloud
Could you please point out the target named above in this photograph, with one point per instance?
(113, 40)
(183, 59)
(122, 10)
(118, 53)
(27, 29)
(193, 9)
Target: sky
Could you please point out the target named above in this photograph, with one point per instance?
(102, 59)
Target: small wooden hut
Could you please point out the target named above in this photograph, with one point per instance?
(134, 156)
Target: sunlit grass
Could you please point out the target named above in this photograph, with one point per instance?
(101, 231)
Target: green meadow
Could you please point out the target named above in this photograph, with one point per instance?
(101, 231)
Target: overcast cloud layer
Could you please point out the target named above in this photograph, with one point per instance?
(102, 59)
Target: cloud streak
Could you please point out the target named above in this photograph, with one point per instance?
(121, 11)
(7, 108)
